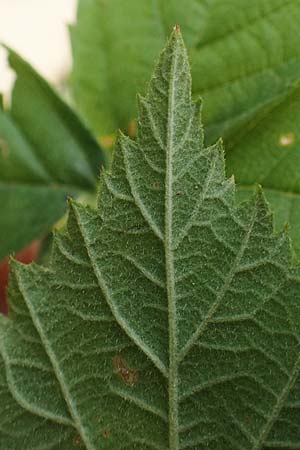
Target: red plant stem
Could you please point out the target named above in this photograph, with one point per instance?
(26, 256)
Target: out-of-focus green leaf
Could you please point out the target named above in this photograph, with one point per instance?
(252, 49)
(115, 44)
(46, 154)
(269, 154)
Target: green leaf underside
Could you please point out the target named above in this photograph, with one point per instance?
(19, 429)
(169, 318)
(46, 154)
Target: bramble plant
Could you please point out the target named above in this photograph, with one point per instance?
(169, 317)
(245, 61)
(191, 310)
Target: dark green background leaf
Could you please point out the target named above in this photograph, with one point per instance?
(46, 154)
(269, 154)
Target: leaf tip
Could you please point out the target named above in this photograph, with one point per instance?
(12, 261)
(176, 36)
(221, 149)
(177, 29)
(220, 142)
(259, 193)
(70, 201)
(262, 203)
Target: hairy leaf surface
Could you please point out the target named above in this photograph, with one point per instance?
(169, 318)
(20, 429)
(46, 154)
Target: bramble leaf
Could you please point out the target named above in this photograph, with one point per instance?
(268, 153)
(169, 318)
(20, 429)
(46, 154)
(251, 48)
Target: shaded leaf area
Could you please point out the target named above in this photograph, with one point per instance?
(169, 317)
(46, 154)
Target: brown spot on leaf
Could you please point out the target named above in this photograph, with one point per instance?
(128, 376)
(106, 434)
(78, 441)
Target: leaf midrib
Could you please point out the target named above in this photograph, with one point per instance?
(169, 259)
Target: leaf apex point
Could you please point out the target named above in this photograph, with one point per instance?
(177, 28)
(258, 189)
(219, 146)
(176, 36)
(259, 195)
(70, 202)
(12, 260)
(17, 266)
